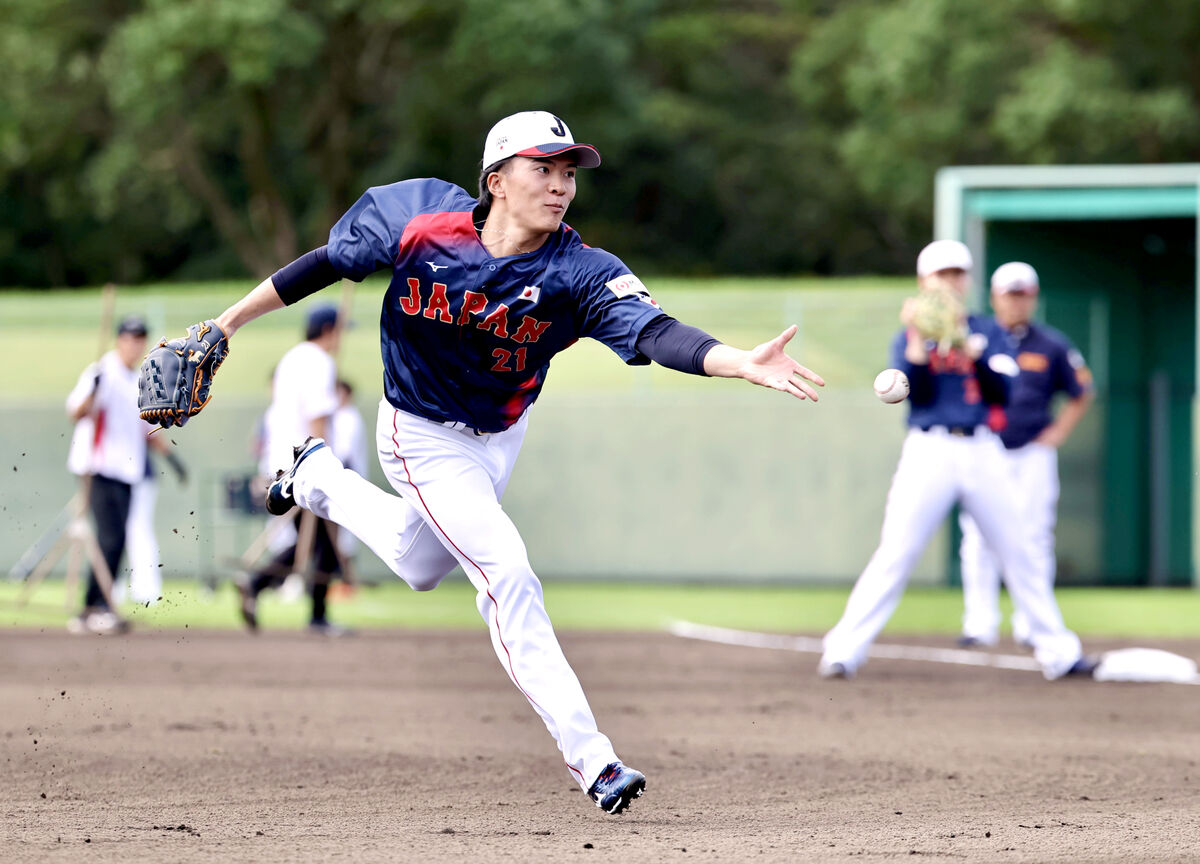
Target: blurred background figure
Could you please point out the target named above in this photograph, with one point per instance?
(304, 400)
(108, 450)
(347, 432)
(141, 542)
(348, 441)
(1048, 365)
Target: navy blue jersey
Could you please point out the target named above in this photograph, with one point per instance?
(467, 337)
(1048, 364)
(952, 389)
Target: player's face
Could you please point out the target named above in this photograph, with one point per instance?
(537, 192)
(1014, 308)
(131, 349)
(950, 279)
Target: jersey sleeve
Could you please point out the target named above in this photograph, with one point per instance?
(1071, 375)
(920, 377)
(996, 369)
(367, 237)
(612, 304)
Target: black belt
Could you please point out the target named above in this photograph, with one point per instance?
(957, 431)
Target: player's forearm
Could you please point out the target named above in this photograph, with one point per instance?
(767, 365)
(259, 302)
(82, 409)
(1068, 418)
(915, 351)
(157, 442)
(725, 361)
(912, 358)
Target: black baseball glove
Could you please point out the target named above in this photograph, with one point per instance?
(177, 374)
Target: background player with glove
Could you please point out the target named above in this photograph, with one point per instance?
(485, 291)
(1048, 364)
(949, 457)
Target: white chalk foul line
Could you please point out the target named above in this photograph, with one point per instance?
(809, 645)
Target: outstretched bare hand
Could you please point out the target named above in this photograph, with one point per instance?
(767, 365)
(770, 366)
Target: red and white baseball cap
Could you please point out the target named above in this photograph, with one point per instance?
(1015, 276)
(535, 134)
(944, 255)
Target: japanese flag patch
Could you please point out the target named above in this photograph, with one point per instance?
(630, 286)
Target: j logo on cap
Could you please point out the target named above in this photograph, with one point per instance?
(536, 134)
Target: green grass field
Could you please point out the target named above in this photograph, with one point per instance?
(616, 606)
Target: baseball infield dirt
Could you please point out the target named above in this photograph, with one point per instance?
(415, 747)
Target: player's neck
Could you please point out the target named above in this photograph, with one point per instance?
(501, 238)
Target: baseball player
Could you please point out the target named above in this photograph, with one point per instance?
(484, 292)
(348, 441)
(950, 456)
(141, 544)
(1049, 365)
(303, 401)
(108, 446)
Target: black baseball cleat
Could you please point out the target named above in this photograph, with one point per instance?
(616, 787)
(972, 642)
(1085, 667)
(279, 494)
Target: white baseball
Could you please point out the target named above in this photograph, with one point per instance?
(891, 385)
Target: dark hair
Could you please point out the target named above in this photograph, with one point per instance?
(485, 195)
(343, 384)
(321, 320)
(131, 326)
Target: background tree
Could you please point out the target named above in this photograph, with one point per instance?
(149, 139)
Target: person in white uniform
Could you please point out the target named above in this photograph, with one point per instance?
(141, 541)
(1049, 365)
(348, 441)
(950, 456)
(108, 446)
(303, 402)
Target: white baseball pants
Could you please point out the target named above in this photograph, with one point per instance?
(450, 481)
(141, 544)
(1034, 469)
(936, 470)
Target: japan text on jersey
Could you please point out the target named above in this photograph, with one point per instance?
(467, 337)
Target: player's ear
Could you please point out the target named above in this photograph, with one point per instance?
(495, 184)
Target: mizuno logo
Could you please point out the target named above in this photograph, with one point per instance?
(436, 267)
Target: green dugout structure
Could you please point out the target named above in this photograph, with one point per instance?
(1115, 247)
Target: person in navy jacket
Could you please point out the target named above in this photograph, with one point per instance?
(1049, 365)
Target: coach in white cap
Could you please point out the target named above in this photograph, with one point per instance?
(1048, 365)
